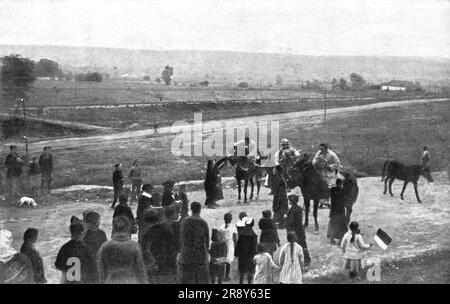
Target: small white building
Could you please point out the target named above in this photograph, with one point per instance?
(398, 85)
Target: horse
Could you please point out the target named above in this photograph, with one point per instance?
(393, 169)
(315, 188)
(248, 171)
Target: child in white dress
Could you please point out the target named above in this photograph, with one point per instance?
(291, 261)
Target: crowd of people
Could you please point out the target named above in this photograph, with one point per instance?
(177, 246)
(173, 246)
(38, 172)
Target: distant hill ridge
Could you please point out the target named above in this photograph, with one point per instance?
(223, 66)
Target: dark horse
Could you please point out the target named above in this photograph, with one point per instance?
(248, 171)
(314, 188)
(409, 174)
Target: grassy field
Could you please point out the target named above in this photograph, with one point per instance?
(364, 139)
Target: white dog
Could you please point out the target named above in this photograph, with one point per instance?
(27, 201)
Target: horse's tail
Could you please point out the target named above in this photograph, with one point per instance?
(385, 166)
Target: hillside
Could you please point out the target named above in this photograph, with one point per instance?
(223, 66)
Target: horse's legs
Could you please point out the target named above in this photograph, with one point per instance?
(245, 189)
(390, 186)
(385, 185)
(258, 187)
(403, 189)
(252, 186)
(348, 212)
(417, 193)
(306, 201)
(239, 188)
(315, 209)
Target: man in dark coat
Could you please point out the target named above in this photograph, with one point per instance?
(118, 181)
(29, 239)
(46, 164)
(13, 164)
(75, 261)
(158, 248)
(194, 241)
(279, 191)
(183, 199)
(294, 222)
(119, 260)
(172, 222)
(124, 210)
(168, 197)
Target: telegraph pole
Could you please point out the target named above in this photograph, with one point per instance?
(325, 104)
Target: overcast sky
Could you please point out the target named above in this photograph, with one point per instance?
(327, 27)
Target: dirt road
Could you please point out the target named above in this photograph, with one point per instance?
(312, 116)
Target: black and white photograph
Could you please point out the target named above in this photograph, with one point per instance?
(231, 142)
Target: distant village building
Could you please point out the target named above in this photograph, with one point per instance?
(398, 85)
(46, 78)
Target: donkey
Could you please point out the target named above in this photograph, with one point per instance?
(248, 171)
(408, 174)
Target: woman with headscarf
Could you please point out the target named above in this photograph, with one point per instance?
(213, 184)
(15, 268)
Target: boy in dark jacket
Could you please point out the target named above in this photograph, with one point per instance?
(75, 261)
(117, 183)
(184, 201)
(246, 250)
(46, 164)
(34, 174)
(29, 239)
(124, 210)
(94, 237)
(218, 253)
(269, 232)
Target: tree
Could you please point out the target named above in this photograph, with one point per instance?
(343, 85)
(89, 77)
(146, 78)
(357, 81)
(47, 68)
(158, 80)
(243, 85)
(167, 74)
(16, 76)
(334, 84)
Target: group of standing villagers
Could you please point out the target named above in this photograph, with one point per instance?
(40, 172)
(135, 177)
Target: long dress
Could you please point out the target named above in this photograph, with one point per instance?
(264, 268)
(337, 225)
(291, 271)
(228, 233)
